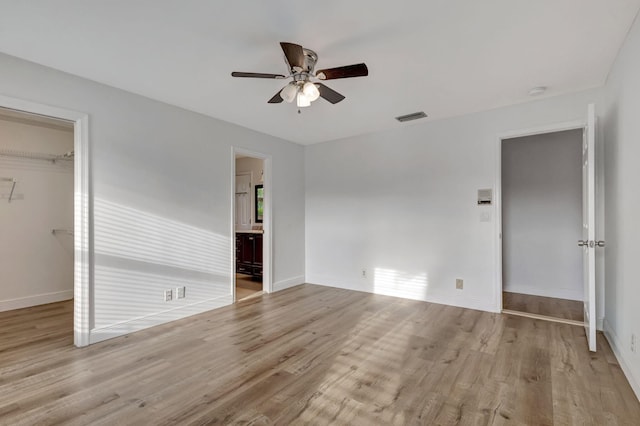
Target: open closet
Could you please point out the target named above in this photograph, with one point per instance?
(36, 210)
(541, 224)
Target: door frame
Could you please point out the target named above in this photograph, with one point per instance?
(82, 210)
(267, 257)
(552, 128)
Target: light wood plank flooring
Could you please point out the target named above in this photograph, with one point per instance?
(246, 287)
(548, 306)
(312, 355)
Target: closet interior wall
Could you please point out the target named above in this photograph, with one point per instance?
(36, 210)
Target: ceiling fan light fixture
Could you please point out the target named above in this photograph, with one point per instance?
(289, 92)
(306, 87)
(302, 100)
(310, 91)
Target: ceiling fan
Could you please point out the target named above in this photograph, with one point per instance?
(306, 86)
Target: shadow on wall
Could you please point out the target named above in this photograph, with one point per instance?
(139, 254)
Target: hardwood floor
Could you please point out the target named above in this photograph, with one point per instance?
(312, 355)
(548, 306)
(246, 287)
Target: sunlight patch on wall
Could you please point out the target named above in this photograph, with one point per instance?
(133, 234)
(139, 255)
(391, 282)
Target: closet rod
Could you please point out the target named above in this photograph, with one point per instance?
(67, 156)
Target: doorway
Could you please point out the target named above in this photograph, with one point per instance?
(250, 226)
(81, 207)
(541, 211)
(37, 210)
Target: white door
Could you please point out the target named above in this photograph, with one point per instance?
(243, 201)
(588, 242)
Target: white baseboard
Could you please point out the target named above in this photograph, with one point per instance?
(558, 293)
(440, 299)
(600, 324)
(38, 299)
(291, 282)
(614, 342)
(120, 329)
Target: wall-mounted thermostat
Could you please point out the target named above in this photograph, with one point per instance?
(485, 196)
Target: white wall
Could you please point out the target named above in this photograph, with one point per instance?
(161, 194)
(402, 204)
(37, 266)
(622, 151)
(255, 166)
(542, 214)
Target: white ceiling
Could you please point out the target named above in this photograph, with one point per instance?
(444, 57)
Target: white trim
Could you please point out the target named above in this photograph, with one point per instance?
(558, 293)
(551, 128)
(38, 299)
(137, 324)
(83, 210)
(233, 226)
(288, 283)
(540, 130)
(600, 324)
(439, 298)
(267, 243)
(543, 317)
(614, 342)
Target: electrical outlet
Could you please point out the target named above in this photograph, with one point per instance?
(364, 273)
(459, 283)
(168, 295)
(633, 343)
(181, 292)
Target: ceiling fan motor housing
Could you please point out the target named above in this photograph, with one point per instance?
(310, 59)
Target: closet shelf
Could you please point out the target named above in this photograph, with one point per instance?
(67, 156)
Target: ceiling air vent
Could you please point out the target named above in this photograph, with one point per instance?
(409, 117)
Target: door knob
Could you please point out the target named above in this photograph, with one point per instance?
(582, 243)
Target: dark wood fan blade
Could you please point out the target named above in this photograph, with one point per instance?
(276, 99)
(355, 70)
(329, 94)
(293, 53)
(256, 75)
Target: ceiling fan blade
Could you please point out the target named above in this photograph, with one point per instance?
(294, 54)
(329, 94)
(355, 70)
(276, 98)
(256, 75)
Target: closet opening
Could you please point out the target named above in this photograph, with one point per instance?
(37, 224)
(542, 268)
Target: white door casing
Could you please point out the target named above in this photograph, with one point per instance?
(267, 255)
(588, 242)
